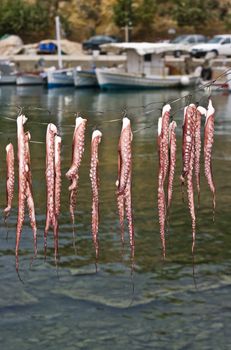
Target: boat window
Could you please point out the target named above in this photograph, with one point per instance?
(148, 57)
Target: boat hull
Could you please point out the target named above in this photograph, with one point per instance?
(116, 80)
(29, 79)
(60, 79)
(7, 79)
(85, 78)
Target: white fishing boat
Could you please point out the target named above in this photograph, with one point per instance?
(29, 79)
(84, 77)
(145, 68)
(60, 78)
(8, 72)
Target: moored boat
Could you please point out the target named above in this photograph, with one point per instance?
(85, 77)
(60, 78)
(8, 72)
(145, 68)
(29, 79)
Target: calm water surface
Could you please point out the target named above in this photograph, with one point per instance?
(76, 308)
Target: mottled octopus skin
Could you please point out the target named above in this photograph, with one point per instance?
(164, 141)
(208, 144)
(9, 179)
(94, 176)
(187, 141)
(190, 192)
(123, 182)
(77, 154)
(199, 112)
(57, 189)
(163, 152)
(172, 160)
(29, 193)
(50, 180)
(22, 181)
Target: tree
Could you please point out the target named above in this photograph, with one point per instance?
(124, 14)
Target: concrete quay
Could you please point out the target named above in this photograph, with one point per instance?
(33, 62)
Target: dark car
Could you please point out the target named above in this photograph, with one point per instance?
(95, 41)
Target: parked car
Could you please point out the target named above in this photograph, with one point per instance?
(95, 41)
(183, 43)
(218, 45)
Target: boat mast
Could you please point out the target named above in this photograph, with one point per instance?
(58, 38)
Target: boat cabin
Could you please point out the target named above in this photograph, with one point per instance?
(142, 58)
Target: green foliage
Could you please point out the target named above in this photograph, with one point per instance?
(124, 13)
(198, 13)
(28, 20)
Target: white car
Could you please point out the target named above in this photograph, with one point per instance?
(218, 45)
(183, 43)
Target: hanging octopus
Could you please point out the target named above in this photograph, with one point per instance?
(208, 144)
(77, 154)
(29, 194)
(24, 186)
(172, 161)
(199, 112)
(188, 154)
(123, 182)
(57, 188)
(187, 141)
(96, 139)
(9, 179)
(163, 151)
(50, 182)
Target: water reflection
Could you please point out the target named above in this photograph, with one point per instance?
(165, 307)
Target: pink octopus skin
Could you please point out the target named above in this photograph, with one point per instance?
(208, 144)
(164, 140)
(58, 181)
(161, 195)
(96, 139)
(21, 182)
(9, 179)
(123, 182)
(190, 192)
(199, 112)
(29, 193)
(57, 190)
(163, 151)
(77, 154)
(188, 132)
(172, 161)
(50, 180)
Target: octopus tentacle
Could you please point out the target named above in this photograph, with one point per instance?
(50, 180)
(125, 155)
(188, 125)
(96, 139)
(163, 152)
(172, 161)
(190, 192)
(123, 182)
(21, 120)
(9, 179)
(29, 193)
(161, 195)
(199, 112)
(57, 189)
(58, 181)
(77, 154)
(164, 140)
(208, 144)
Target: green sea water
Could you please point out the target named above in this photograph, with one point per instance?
(160, 306)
